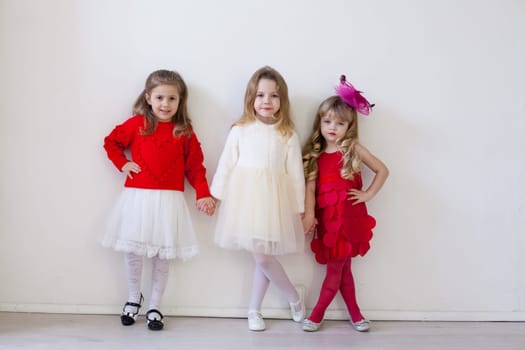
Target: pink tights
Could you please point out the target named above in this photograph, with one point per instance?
(338, 278)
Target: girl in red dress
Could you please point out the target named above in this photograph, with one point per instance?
(335, 201)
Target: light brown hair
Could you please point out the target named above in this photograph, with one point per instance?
(333, 107)
(284, 122)
(181, 119)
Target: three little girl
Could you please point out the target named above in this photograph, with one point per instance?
(260, 182)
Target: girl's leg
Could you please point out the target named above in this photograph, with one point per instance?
(274, 272)
(331, 284)
(159, 280)
(259, 288)
(268, 269)
(347, 289)
(134, 276)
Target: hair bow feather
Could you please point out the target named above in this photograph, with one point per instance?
(353, 97)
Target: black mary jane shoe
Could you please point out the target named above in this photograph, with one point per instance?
(154, 324)
(129, 318)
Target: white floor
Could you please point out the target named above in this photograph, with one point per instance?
(77, 332)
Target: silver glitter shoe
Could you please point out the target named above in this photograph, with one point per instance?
(361, 326)
(310, 326)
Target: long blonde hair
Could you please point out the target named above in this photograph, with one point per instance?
(336, 108)
(181, 119)
(284, 122)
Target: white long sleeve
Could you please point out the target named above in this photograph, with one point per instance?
(227, 161)
(294, 168)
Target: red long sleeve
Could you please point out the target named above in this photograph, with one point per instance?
(163, 158)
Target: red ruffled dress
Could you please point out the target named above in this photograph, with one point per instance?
(344, 230)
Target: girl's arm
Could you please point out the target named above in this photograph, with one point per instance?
(119, 139)
(196, 174)
(309, 220)
(294, 168)
(194, 166)
(228, 159)
(381, 173)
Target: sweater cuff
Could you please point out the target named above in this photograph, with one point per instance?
(202, 192)
(120, 163)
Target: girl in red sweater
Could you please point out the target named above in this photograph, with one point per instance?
(151, 218)
(335, 200)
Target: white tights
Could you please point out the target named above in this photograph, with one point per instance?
(159, 280)
(269, 269)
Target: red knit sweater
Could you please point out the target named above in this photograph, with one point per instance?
(163, 158)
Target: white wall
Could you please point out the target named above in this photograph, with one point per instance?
(447, 78)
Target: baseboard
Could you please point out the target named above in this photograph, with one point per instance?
(384, 315)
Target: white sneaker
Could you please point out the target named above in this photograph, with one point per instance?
(298, 308)
(255, 321)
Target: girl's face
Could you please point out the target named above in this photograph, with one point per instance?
(333, 128)
(267, 101)
(164, 101)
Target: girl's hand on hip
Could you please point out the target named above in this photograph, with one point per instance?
(358, 196)
(131, 167)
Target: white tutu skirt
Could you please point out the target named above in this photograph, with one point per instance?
(151, 223)
(259, 213)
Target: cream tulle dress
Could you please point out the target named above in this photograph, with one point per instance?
(260, 183)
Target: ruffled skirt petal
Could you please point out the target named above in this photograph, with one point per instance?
(344, 229)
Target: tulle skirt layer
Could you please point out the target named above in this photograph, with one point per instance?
(260, 214)
(150, 223)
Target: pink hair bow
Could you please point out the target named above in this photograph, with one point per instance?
(353, 97)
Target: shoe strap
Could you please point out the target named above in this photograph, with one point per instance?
(154, 311)
(139, 304)
(129, 303)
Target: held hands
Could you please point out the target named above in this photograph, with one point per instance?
(131, 167)
(309, 223)
(206, 205)
(357, 196)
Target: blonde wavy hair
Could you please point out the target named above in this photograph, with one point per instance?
(181, 119)
(333, 107)
(284, 122)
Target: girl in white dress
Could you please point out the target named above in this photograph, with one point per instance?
(260, 184)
